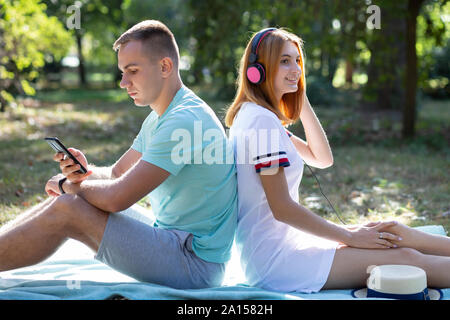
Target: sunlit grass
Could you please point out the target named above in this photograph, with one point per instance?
(370, 184)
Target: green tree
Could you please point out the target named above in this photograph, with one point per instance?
(410, 109)
(384, 88)
(412, 77)
(100, 23)
(28, 37)
(393, 76)
(222, 29)
(433, 49)
(171, 12)
(219, 32)
(334, 32)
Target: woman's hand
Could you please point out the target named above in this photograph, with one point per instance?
(370, 236)
(69, 168)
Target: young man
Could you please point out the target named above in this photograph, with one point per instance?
(194, 202)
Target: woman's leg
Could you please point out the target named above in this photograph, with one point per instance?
(424, 242)
(350, 266)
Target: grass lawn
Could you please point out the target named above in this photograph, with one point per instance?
(375, 175)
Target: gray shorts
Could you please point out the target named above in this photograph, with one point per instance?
(132, 245)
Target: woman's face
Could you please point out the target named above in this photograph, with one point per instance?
(289, 71)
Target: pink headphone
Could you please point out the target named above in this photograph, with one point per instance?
(255, 71)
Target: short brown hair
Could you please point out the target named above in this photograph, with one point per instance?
(156, 37)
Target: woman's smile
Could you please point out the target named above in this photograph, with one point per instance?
(292, 80)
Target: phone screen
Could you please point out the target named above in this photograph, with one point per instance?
(58, 146)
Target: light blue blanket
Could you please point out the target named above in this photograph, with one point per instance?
(72, 273)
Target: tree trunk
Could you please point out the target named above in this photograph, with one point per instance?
(409, 109)
(332, 67)
(348, 72)
(81, 70)
(2, 104)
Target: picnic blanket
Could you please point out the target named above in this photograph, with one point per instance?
(72, 273)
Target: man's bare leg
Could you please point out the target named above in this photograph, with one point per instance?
(40, 233)
(26, 215)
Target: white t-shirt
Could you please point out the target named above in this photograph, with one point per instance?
(273, 255)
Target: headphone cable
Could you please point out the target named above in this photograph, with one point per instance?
(337, 214)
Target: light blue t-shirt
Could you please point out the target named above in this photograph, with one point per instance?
(200, 195)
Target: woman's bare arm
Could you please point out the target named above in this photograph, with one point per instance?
(316, 150)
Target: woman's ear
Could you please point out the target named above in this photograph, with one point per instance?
(166, 66)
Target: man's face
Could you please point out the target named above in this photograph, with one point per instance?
(141, 76)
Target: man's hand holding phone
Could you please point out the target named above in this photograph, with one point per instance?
(73, 166)
(69, 168)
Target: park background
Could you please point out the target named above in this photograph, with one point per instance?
(377, 76)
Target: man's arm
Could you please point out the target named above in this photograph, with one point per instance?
(125, 162)
(120, 193)
(100, 173)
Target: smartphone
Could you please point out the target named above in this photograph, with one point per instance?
(59, 147)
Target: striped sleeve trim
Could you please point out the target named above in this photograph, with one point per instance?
(271, 160)
(268, 155)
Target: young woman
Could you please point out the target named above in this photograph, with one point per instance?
(283, 246)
